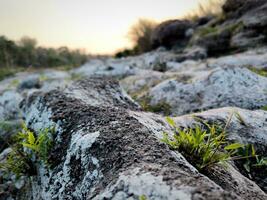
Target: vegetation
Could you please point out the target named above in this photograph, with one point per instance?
(264, 108)
(207, 147)
(261, 72)
(28, 150)
(203, 148)
(140, 35)
(252, 160)
(6, 72)
(142, 197)
(206, 8)
(161, 107)
(25, 53)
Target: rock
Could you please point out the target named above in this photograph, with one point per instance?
(245, 127)
(111, 150)
(139, 84)
(30, 83)
(222, 87)
(9, 105)
(123, 67)
(171, 33)
(254, 58)
(195, 53)
(256, 18)
(216, 40)
(249, 38)
(236, 8)
(7, 130)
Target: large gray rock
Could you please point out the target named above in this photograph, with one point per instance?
(171, 33)
(9, 105)
(235, 8)
(222, 87)
(110, 150)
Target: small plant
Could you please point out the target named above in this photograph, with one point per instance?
(264, 108)
(161, 107)
(28, 150)
(203, 148)
(252, 160)
(142, 197)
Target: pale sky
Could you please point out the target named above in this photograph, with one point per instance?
(99, 26)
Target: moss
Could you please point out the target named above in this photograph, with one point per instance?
(233, 28)
(43, 77)
(207, 30)
(76, 77)
(161, 107)
(261, 72)
(264, 108)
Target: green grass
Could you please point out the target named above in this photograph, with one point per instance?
(7, 72)
(202, 148)
(207, 147)
(207, 30)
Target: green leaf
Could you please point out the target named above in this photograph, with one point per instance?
(31, 138)
(233, 146)
(253, 152)
(247, 166)
(30, 146)
(170, 121)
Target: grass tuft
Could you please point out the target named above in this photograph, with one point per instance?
(202, 148)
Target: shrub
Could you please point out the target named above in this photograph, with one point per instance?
(140, 34)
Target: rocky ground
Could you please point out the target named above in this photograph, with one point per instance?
(110, 113)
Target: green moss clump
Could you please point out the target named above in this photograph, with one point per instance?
(161, 107)
(261, 72)
(207, 30)
(264, 108)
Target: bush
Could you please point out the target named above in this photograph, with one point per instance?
(140, 34)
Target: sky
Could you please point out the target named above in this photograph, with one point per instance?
(98, 26)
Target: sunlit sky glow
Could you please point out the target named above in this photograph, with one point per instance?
(99, 26)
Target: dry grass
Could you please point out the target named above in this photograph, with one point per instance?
(140, 34)
(206, 8)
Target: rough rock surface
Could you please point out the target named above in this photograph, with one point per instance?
(222, 87)
(107, 147)
(171, 33)
(113, 151)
